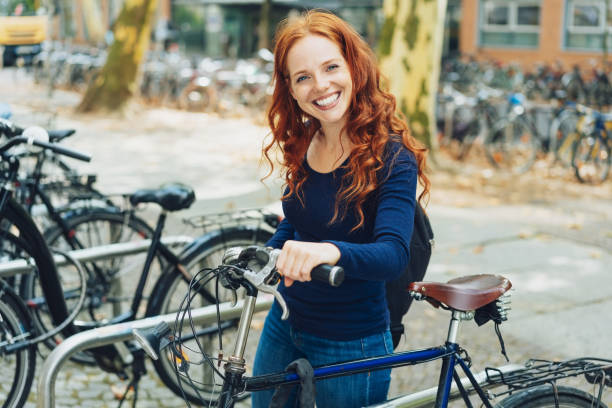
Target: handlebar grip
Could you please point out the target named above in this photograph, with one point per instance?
(63, 151)
(332, 274)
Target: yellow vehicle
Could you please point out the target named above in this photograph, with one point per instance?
(22, 31)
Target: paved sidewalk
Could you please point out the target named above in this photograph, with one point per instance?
(557, 254)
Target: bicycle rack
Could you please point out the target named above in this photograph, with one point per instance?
(106, 335)
(19, 266)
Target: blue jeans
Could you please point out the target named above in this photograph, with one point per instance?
(281, 344)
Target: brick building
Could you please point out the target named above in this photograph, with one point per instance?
(537, 31)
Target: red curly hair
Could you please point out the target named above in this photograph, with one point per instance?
(372, 117)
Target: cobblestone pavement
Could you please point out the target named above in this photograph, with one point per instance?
(551, 237)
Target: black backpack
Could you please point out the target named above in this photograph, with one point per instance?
(398, 299)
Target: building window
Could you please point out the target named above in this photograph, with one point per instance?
(509, 23)
(497, 15)
(528, 16)
(586, 24)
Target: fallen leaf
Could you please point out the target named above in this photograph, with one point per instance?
(574, 226)
(543, 237)
(595, 255)
(478, 249)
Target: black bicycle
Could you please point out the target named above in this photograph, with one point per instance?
(73, 215)
(22, 242)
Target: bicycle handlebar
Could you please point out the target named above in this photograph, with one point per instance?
(45, 145)
(257, 266)
(332, 274)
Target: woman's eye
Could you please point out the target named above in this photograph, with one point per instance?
(301, 78)
(332, 67)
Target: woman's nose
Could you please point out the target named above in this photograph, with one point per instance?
(321, 82)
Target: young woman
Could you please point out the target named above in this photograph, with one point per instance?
(351, 170)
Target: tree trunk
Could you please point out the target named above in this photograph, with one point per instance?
(606, 46)
(410, 49)
(93, 21)
(116, 83)
(264, 25)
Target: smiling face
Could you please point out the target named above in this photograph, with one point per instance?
(319, 79)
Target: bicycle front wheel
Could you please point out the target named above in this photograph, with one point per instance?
(562, 135)
(202, 385)
(544, 397)
(591, 159)
(18, 367)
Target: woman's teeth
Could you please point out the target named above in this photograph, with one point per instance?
(327, 101)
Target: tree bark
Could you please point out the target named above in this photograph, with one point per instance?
(410, 49)
(93, 21)
(264, 25)
(116, 83)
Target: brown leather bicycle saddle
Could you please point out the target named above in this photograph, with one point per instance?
(465, 293)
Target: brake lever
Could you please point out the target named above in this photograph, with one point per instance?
(234, 300)
(273, 290)
(261, 278)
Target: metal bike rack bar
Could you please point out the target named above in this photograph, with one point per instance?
(97, 253)
(105, 335)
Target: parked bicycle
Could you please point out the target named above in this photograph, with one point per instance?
(73, 215)
(478, 297)
(513, 142)
(19, 234)
(464, 121)
(592, 151)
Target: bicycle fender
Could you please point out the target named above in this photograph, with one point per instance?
(220, 236)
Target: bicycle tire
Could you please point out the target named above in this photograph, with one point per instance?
(565, 150)
(16, 222)
(19, 238)
(464, 129)
(512, 145)
(591, 159)
(67, 196)
(92, 227)
(63, 198)
(562, 134)
(172, 288)
(543, 397)
(14, 324)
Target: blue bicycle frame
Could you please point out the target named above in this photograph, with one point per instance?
(450, 353)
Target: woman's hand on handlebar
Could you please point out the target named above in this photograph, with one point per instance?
(297, 259)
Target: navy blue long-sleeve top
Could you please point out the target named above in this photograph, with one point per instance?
(376, 252)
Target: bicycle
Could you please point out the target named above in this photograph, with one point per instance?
(513, 141)
(461, 127)
(84, 218)
(19, 231)
(19, 237)
(478, 297)
(591, 154)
